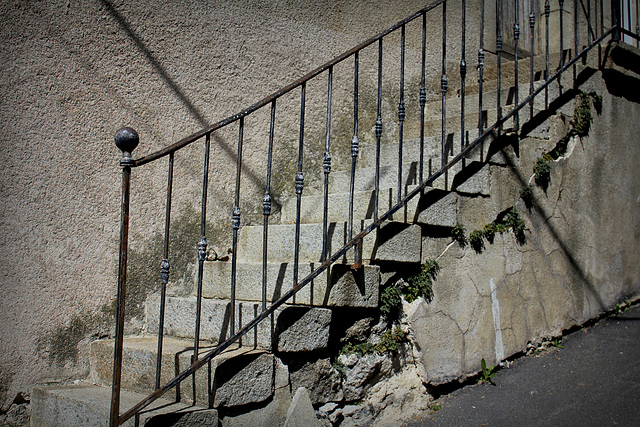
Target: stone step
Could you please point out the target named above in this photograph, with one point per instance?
(394, 241)
(342, 286)
(236, 377)
(180, 316)
(88, 406)
(363, 206)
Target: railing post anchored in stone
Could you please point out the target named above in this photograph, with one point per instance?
(126, 140)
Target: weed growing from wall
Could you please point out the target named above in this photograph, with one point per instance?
(458, 234)
(580, 126)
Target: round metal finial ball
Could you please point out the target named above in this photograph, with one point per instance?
(127, 139)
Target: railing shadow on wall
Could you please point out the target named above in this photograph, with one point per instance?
(414, 91)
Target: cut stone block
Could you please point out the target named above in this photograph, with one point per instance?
(339, 181)
(319, 377)
(475, 178)
(386, 244)
(88, 406)
(437, 207)
(243, 379)
(303, 329)
(343, 287)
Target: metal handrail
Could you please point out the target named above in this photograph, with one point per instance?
(127, 140)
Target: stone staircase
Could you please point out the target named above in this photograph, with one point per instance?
(253, 382)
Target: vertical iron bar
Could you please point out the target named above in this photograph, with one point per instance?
(601, 17)
(378, 132)
(463, 75)
(547, 12)
(615, 20)
(235, 220)
(354, 144)
(499, 59)
(516, 38)
(444, 83)
(266, 206)
(575, 29)
(202, 252)
(299, 186)
(629, 15)
(637, 25)
(126, 140)
(401, 112)
(327, 168)
(423, 93)
(532, 24)
(480, 68)
(164, 271)
(561, 4)
(589, 28)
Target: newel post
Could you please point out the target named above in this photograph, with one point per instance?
(126, 140)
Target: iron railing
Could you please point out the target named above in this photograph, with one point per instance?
(588, 28)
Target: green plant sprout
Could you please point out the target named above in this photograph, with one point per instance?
(487, 374)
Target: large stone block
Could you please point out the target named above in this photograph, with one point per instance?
(301, 412)
(301, 329)
(319, 377)
(243, 379)
(341, 287)
(437, 207)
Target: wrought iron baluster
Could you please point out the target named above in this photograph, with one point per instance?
(575, 29)
(532, 24)
(589, 28)
(355, 148)
(547, 12)
(401, 112)
(326, 164)
(561, 4)
(235, 221)
(463, 74)
(299, 185)
(616, 20)
(601, 17)
(378, 132)
(516, 38)
(164, 271)
(481, 68)
(423, 94)
(444, 84)
(637, 24)
(628, 14)
(202, 252)
(126, 140)
(499, 60)
(266, 206)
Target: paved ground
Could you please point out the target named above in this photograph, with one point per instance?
(593, 381)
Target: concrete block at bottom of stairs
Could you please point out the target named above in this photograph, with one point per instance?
(394, 241)
(180, 315)
(343, 287)
(88, 406)
(437, 207)
(302, 329)
(139, 365)
(301, 412)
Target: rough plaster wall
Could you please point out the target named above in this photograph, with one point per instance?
(579, 259)
(72, 72)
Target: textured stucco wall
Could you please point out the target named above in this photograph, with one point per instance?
(579, 259)
(73, 72)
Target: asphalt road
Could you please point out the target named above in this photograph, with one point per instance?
(593, 381)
